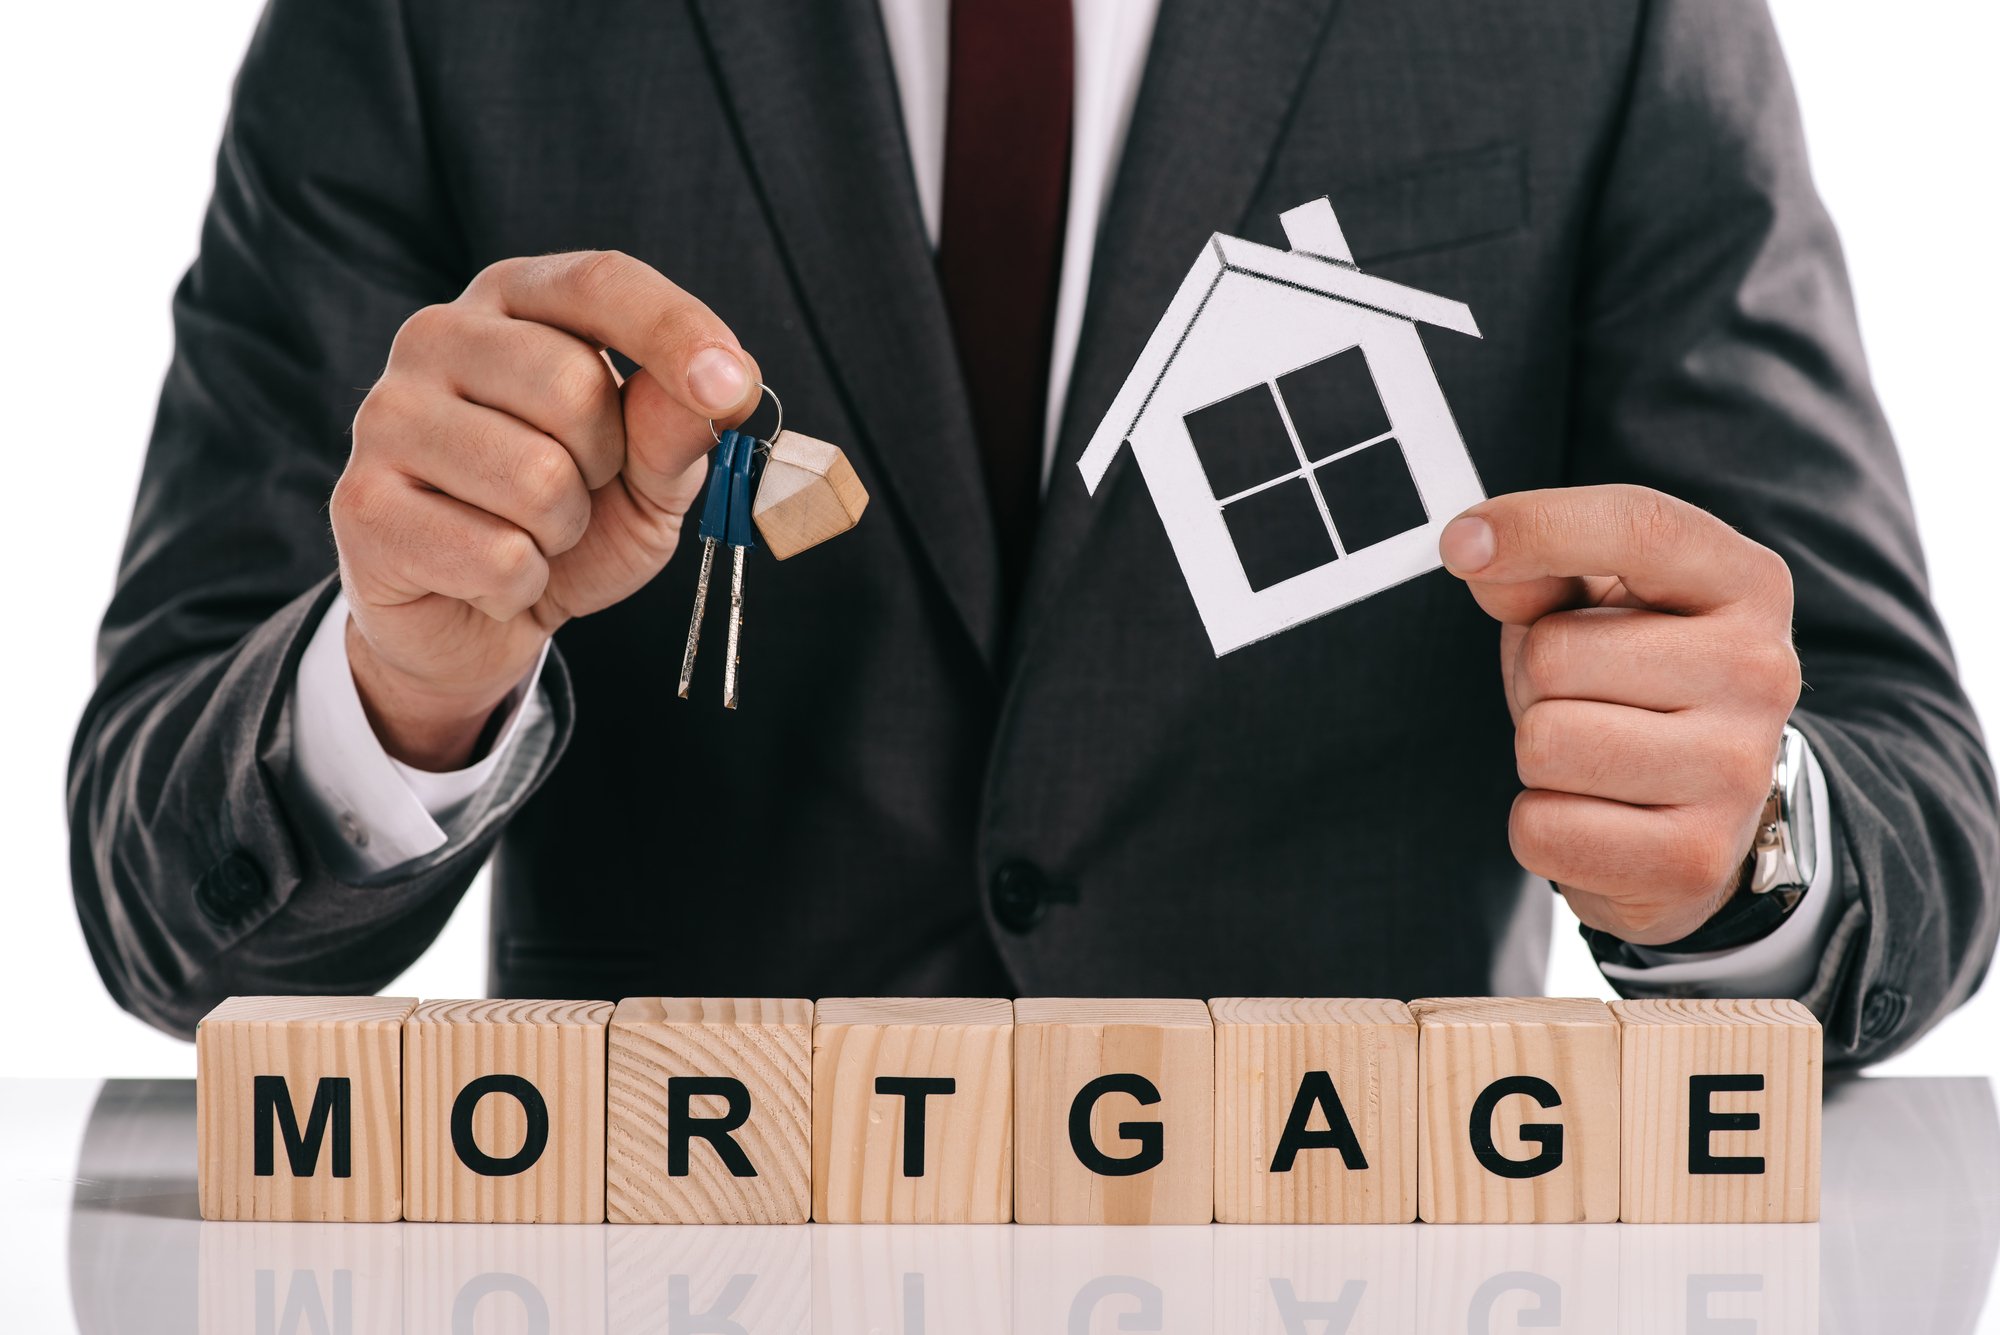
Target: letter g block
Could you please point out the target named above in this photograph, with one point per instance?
(1517, 1110)
(504, 1112)
(299, 1103)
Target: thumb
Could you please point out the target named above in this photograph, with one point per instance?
(667, 442)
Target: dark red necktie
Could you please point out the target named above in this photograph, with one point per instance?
(1006, 187)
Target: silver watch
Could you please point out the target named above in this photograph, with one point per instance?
(1783, 856)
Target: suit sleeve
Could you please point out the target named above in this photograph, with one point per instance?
(328, 226)
(1717, 358)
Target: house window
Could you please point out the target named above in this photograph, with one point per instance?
(1306, 468)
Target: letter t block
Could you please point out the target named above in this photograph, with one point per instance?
(1721, 1111)
(1517, 1111)
(913, 1111)
(299, 1104)
(708, 1111)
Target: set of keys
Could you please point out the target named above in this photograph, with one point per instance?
(793, 490)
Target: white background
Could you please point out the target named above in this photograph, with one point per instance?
(110, 112)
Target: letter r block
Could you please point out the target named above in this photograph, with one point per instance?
(1517, 1110)
(1315, 1111)
(503, 1112)
(1721, 1112)
(708, 1111)
(912, 1111)
(299, 1104)
(1114, 1111)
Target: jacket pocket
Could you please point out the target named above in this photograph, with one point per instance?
(1437, 203)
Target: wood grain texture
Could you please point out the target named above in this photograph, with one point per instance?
(765, 1044)
(1669, 1042)
(1465, 1044)
(808, 493)
(1061, 1045)
(301, 1040)
(1265, 1048)
(558, 1048)
(858, 1134)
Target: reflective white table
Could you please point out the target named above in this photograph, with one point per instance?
(98, 1234)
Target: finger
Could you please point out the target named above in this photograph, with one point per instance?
(1630, 656)
(400, 541)
(1521, 604)
(616, 301)
(552, 380)
(1623, 754)
(1669, 554)
(505, 467)
(667, 447)
(1642, 856)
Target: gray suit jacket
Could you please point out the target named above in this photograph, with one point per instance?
(923, 793)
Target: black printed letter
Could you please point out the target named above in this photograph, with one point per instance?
(271, 1102)
(1317, 1091)
(913, 1090)
(1549, 1135)
(532, 1145)
(1149, 1136)
(683, 1125)
(1704, 1121)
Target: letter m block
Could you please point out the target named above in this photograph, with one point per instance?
(299, 1106)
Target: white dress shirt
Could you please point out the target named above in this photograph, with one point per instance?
(388, 813)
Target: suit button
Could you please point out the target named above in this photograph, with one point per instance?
(229, 890)
(1019, 894)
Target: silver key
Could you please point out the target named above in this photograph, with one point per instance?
(701, 606)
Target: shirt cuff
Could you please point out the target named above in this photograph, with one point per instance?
(1779, 965)
(369, 811)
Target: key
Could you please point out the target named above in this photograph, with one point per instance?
(738, 537)
(714, 523)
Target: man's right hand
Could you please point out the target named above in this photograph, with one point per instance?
(502, 481)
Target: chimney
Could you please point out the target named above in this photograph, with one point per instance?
(1313, 230)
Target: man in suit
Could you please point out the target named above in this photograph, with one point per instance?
(985, 747)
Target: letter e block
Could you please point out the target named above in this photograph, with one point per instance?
(1114, 1111)
(708, 1111)
(1315, 1111)
(1721, 1112)
(1517, 1110)
(503, 1112)
(299, 1104)
(912, 1110)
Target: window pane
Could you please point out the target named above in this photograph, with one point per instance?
(1333, 403)
(1241, 441)
(1371, 495)
(1279, 533)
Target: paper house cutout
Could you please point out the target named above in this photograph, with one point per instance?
(1291, 430)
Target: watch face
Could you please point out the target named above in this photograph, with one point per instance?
(1800, 813)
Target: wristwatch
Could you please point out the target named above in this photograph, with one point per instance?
(1782, 859)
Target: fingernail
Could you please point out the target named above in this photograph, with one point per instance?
(1467, 544)
(717, 380)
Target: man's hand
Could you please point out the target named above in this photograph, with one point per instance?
(1647, 656)
(502, 481)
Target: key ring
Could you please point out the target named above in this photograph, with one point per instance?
(776, 431)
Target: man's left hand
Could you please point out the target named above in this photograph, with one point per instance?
(1646, 650)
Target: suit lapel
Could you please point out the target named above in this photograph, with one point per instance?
(812, 96)
(1217, 93)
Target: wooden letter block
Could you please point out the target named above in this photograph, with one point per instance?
(1315, 1111)
(809, 493)
(1114, 1112)
(503, 1107)
(708, 1111)
(912, 1111)
(1721, 1112)
(1517, 1110)
(299, 1101)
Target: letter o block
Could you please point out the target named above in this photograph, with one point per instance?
(912, 1110)
(1721, 1112)
(299, 1105)
(503, 1107)
(1114, 1111)
(1517, 1110)
(708, 1111)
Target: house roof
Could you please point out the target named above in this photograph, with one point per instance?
(1302, 269)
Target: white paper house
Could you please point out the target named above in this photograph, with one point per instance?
(1280, 383)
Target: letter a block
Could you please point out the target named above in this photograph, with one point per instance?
(503, 1105)
(1114, 1112)
(1315, 1111)
(708, 1111)
(1721, 1112)
(299, 1101)
(1517, 1110)
(912, 1111)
